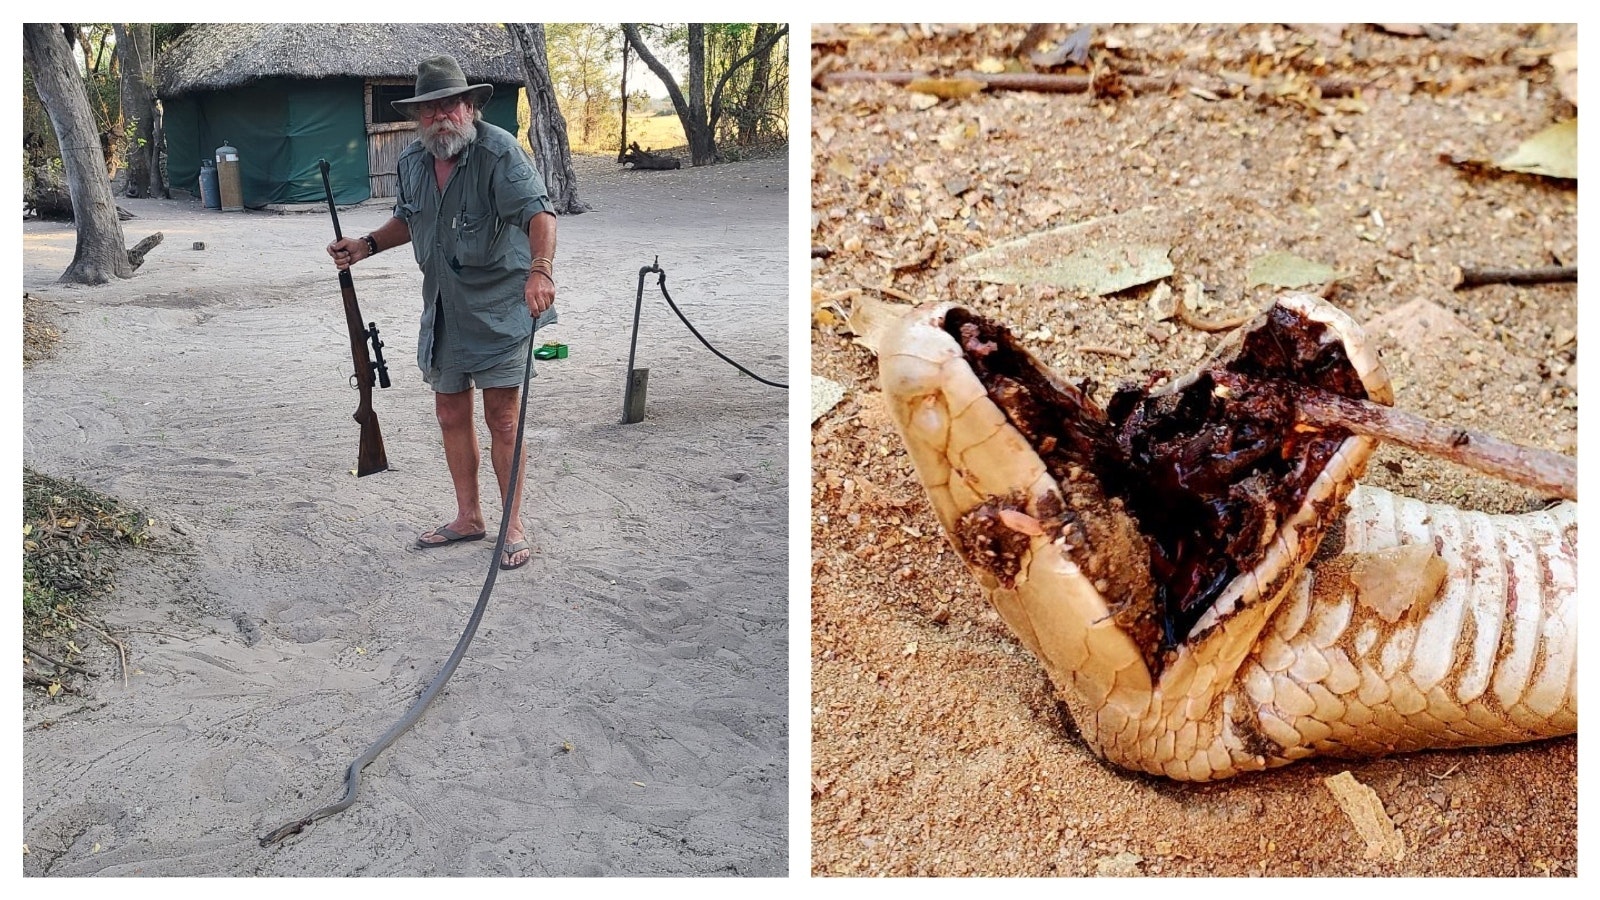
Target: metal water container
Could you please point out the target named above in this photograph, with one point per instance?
(208, 185)
(228, 178)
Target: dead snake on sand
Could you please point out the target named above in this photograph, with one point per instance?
(1207, 585)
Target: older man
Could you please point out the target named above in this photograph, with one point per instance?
(474, 209)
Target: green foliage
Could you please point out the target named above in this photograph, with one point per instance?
(755, 100)
(66, 527)
(582, 61)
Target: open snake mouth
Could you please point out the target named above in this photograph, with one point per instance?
(1209, 469)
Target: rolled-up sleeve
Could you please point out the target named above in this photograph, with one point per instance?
(519, 193)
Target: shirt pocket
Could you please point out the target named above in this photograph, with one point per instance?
(477, 238)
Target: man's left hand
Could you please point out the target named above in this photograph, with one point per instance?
(539, 292)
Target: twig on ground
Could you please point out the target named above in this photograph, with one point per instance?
(897, 294)
(122, 651)
(41, 681)
(999, 81)
(1552, 474)
(1182, 314)
(55, 662)
(1044, 82)
(1475, 276)
(1105, 351)
(184, 553)
(153, 631)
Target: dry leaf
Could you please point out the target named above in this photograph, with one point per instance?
(945, 88)
(825, 395)
(1552, 152)
(1081, 257)
(1289, 271)
(869, 319)
(990, 66)
(1329, 34)
(54, 688)
(1120, 865)
(1365, 811)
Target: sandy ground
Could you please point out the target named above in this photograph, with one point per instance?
(938, 748)
(623, 709)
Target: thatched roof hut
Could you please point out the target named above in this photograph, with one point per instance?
(287, 95)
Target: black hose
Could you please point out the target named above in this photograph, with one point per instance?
(661, 282)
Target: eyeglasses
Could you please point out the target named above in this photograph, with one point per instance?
(437, 108)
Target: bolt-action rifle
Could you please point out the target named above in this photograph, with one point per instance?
(371, 457)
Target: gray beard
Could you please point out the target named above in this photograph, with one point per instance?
(446, 141)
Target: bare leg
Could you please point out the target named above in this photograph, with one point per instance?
(461, 455)
(500, 408)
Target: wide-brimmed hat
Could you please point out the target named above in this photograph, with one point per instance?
(439, 77)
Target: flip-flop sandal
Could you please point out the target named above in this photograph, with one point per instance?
(450, 537)
(513, 550)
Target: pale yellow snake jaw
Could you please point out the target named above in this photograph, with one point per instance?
(1312, 615)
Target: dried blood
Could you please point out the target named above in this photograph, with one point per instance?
(1209, 471)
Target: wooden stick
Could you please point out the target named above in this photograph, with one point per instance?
(1044, 82)
(41, 681)
(998, 81)
(122, 652)
(1550, 473)
(1104, 351)
(57, 663)
(1472, 277)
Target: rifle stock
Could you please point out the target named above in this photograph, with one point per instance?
(370, 458)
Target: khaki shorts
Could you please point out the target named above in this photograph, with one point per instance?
(504, 372)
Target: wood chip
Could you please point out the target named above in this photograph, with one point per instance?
(1365, 811)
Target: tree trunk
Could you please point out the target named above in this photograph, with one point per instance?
(547, 129)
(691, 111)
(755, 94)
(139, 107)
(762, 46)
(699, 122)
(702, 137)
(100, 253)
(622, 145)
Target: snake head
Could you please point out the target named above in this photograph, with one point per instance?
(1135, 548)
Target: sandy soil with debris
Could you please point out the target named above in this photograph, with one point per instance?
(937, 746)
(623, 709)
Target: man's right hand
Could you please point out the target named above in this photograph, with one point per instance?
(346, 252)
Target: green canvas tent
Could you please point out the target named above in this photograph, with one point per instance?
(287, 95)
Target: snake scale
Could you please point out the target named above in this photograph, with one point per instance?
(1290, 612)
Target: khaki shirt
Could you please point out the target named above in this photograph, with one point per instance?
(471, 240)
